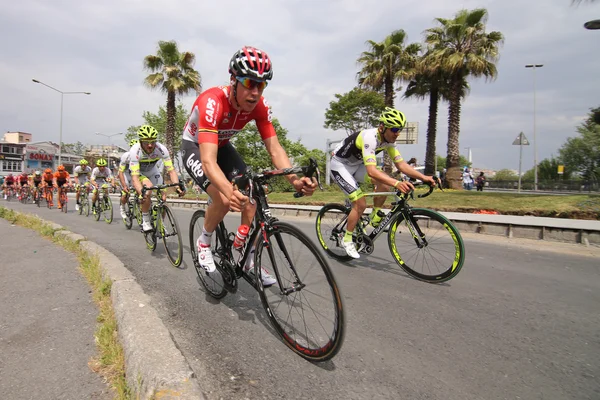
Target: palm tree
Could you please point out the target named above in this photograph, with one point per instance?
(431, 81)
(462, 48)
(385, 64)
(172, 73)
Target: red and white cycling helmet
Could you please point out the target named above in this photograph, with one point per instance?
(252, 63)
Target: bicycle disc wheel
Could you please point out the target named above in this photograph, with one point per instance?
(213, 281)
(438, 258)
(331, 228)
(171, 236)
(305, 306)
(107, 212)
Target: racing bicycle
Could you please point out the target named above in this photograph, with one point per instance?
(304, 305)
(424, 243)
(103, 205)
(164, 225)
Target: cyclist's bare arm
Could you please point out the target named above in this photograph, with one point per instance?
(380, 176)
(413, 173)
(122, 179)
(281, 160)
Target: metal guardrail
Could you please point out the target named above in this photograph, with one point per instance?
(553, 229)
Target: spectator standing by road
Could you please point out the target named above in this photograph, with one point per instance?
(480, 182)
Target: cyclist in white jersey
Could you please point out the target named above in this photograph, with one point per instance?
(144, 157)
(82, 174)
(125, 178)
(354, 161)
(100, 175)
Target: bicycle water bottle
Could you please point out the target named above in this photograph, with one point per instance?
(154, 209)
(240, 237)
(377, 218)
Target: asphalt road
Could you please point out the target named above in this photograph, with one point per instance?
(521, 321)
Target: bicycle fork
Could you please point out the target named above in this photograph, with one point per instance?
(297, 284)
(415, 230)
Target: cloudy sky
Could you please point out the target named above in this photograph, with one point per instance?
(99, 47)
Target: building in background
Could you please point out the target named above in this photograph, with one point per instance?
(42, 155)
(18, 137)
(11, 158)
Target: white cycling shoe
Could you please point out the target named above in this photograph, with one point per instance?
(350, 248)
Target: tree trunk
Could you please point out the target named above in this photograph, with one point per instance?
(454, 174)
(169, 134)
(389, 102)
(431, 132)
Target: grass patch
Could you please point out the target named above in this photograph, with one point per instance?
(110, 361)
(576, 206)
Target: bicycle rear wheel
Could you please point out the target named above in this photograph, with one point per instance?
(331, 228)
(171, 236)
(213, 281)
(107, 210)
(137, 211)
(84, 205)
(436, 258)
(63, 201)
(305, 306)
(128, 220)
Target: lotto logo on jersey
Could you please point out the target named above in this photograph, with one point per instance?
(195, 166)
(192, 129)
(210, 112)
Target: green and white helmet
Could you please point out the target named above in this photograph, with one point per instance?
(147, 132)
(392, 118)
(133, 142)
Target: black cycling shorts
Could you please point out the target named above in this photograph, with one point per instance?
(228, 159)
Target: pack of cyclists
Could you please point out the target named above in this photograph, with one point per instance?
(217, 115)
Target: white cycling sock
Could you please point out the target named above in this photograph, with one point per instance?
(205, 237)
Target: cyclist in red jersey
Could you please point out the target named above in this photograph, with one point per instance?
(217, 115)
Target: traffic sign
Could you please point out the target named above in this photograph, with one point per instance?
(521, 140)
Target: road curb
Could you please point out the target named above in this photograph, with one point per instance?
(155, 367)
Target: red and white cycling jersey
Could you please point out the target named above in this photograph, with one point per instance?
(214, 120)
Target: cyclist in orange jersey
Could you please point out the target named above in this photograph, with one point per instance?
(61, 181)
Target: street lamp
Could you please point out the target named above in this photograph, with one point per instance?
(109, 136)
(535, 163)
(61, 113)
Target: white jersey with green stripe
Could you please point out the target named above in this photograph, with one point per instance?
(361, 147)
(141, 163)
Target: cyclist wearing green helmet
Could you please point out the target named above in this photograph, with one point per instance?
(145, 158)
(354, 160)
(82, 174)
(125, 177)
(100, 175)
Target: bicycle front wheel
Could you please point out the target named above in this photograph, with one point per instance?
(305, 305)
(435, 258)
(331, 228)
(171, 235)
(213, 281)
